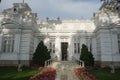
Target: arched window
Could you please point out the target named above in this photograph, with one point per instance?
(8, 43)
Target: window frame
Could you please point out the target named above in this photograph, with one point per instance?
(8, 41)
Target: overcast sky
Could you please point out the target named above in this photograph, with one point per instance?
(65, 9)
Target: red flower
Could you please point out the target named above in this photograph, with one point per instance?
(82, 74)
(47, 73)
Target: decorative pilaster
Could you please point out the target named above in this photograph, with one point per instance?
(58, 48)
(70, 48)
(0, 42)
(17, 42)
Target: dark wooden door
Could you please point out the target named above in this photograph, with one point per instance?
(64, 46)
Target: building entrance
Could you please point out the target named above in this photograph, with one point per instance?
(64, 55)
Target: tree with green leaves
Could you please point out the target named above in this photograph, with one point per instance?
(86, 56)
(41, 54)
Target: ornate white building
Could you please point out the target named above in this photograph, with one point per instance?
(21, 32)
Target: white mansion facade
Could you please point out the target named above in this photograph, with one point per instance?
(21, 32)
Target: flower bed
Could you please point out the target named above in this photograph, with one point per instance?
(47, 73)
(83, 74)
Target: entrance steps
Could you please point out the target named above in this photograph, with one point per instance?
(66, 64)
(65, 70)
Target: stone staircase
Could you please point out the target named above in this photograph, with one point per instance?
(65, 70)
(65, 64)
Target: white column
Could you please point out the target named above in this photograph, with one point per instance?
(114, 43)
(89, 43)
(94, 49)
(0, 42)
(47, 42)
(115, 49)
(17, 44)
(36, 42)
(70, 48)
(58, 48)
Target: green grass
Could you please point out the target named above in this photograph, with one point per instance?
(104, 74)
(11, 73)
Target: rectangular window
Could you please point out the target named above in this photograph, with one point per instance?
(118, 42)
(4, 45)
(8, 44)
(12, 46)
(90, 47)
(78, 48)
(75, 48)
(119, 46)
(52, 47)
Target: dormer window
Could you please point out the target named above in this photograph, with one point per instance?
(117, 8)
(15, 10)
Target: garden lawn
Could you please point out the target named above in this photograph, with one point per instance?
(104, 74)
(11, 73)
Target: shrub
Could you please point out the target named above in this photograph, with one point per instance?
(41, 55)
(86, 56)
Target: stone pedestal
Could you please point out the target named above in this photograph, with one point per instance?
(19, 67)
